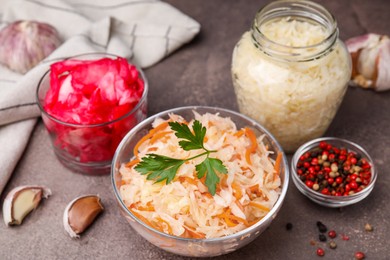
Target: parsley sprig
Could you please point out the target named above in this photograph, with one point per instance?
(159, 168)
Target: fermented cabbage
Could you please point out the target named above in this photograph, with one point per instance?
(184, 207)
(296, 101)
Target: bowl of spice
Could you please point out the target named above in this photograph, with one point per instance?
(333, 172)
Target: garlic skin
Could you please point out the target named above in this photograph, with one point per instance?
(20, 201)
(23, 44)
(80, 214)
(370, 55)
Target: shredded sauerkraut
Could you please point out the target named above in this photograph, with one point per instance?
(184, 207)
(295, 101)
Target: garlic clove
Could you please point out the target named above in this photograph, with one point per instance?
(370, 61)
(80, 214)
(20, 201)
(23, 44)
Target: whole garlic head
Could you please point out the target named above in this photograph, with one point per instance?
(23, 44)
(370, 55)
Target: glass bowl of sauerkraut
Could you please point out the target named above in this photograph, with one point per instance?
(200, 208)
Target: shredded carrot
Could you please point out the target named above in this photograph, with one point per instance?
(255, 190)
(243, 168)
(149, 135)
(236, 156)
(230, 219)
(193, 233)
(203, 179)
(123, 182)
(233, 217)
(157, 136)
(251, 223)
(146, 221)
(261, 207)
(229, 223)
(161, 126)
(239, 133)
(142, 218)
(188, 179)
(148, 207)
(207, 194)
(277, 165)
(131, 163)
(237, 191)
(226, 216)
(152, 149)
(161, 221)
(141, 141)
(240, 205)
(252, 148)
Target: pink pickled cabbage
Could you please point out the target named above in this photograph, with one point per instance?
(92, 92)
(184, 207)
(86, 92)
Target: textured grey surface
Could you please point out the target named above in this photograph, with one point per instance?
(199, 74)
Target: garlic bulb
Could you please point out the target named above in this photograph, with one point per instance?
(370, 61)
(23, 44)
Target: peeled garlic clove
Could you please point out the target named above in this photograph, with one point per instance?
(370, 61)
(20, 201)
(23, 44)
(80, 213)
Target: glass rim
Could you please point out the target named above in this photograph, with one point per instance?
(141, 101)
(148, 121)
(283, 8)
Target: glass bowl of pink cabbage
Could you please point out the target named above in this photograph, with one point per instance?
(88, 103)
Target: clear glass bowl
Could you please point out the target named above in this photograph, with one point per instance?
(330, 200)
(186, 246)
(89, 149)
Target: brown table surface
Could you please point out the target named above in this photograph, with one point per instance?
(199, 74)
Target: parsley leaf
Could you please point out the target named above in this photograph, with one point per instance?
(163, 168)
(194, 141)
(159, 167)
(208, 167)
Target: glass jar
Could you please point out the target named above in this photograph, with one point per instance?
(290, 71)
(88, 148)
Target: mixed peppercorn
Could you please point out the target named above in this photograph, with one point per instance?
(332, 235)
(334, 171)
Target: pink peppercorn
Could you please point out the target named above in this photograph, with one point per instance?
(321, 252)
(332, 234)
(359, 255)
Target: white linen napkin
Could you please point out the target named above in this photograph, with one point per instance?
(145, 31)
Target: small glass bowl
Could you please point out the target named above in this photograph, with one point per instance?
(189, 246)
(89, 149)
(330, 200)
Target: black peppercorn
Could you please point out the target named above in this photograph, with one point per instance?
(289, 226)
(322, 237)
(321, 227)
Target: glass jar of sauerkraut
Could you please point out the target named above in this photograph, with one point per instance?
(290, 71)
